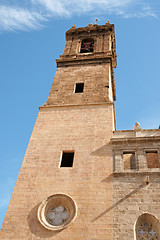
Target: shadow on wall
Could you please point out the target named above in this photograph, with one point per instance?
(121, 200)
(36, 228)
(108, 179)
(103, 151)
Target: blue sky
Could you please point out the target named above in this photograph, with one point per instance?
(32, 36)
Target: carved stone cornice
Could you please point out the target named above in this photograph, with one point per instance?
(131, 136)
(90, 28)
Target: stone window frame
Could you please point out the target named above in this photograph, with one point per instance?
(61, 155)
(80, 42)
(140, 157)
(148, 218)
(53, 201)
(136, 159)
(75, 88)
(152, 150)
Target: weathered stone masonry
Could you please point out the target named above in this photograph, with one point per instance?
(109, 187)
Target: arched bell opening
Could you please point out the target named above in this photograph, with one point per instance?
(87, 45)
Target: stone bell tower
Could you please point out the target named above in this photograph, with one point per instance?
(64, 188)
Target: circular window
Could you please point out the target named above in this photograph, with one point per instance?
(58, 215)
(57, 211)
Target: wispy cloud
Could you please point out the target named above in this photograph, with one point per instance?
(125, 8)
(14, 18)
(54, 7)
(71, 7)
(31, 14)
(144, 12)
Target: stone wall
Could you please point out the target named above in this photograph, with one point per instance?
(96, 85)
(132, 198)
(86, 130)
(135, 190)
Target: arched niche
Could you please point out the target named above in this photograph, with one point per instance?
(147, 227)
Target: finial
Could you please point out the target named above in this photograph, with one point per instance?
(108, 22)
(90, 25)
(73, 27)
(137, 127)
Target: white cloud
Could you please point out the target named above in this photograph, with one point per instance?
(30, 14)
(13, 18)
(124, 8)
(71, 7)
(56, 7)
(148, 12)
(144, 12)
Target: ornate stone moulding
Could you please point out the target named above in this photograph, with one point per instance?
(89, 28)
(57, 212)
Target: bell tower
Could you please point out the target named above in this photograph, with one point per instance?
(64, 189)
(88, 62)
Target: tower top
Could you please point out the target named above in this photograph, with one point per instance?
(85, 70)
(101, 38)
(90, 29)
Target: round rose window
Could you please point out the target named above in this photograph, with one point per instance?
(58, 215)
(57, 211)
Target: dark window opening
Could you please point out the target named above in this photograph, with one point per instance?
(152, 159)
(129, 161)
(79, 87)
(87, 45)
(67, 159)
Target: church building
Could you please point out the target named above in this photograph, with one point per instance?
(81, 179)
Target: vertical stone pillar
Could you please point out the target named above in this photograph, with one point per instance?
(118, 161)
(141, 160)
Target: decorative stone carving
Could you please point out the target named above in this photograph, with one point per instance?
(90, 25)
(73, 27)
(137, 127)
(57, 211)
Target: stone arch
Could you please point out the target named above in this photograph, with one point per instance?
(147, 227)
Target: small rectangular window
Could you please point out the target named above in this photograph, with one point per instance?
(152, 159)
(79, 87)
(67, 159)
(129, 160)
